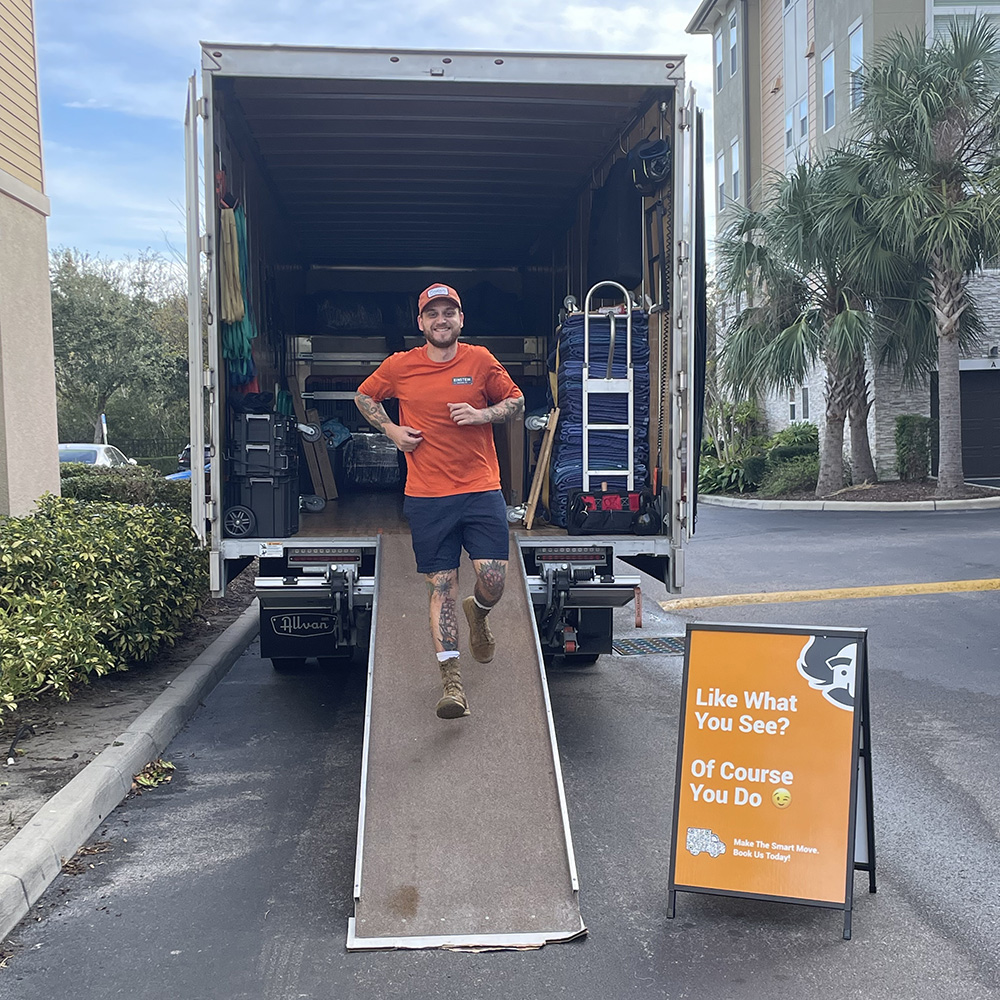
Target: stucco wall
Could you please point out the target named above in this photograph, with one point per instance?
(29, 462)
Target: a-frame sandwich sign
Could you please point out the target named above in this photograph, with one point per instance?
(773, 797)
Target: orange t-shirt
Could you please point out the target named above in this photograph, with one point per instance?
(450, 459)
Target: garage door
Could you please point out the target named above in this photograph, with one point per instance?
(981, 423)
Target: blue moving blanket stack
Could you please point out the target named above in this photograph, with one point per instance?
(607, 448)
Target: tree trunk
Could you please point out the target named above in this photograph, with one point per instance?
(948, 302)
(862, 466)
(831, 455)
(951, 476)
(102, 403)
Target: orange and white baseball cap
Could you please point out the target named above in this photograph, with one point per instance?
(437, 292)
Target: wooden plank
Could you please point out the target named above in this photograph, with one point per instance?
(542, 468)
(323, 459)
(310, 449)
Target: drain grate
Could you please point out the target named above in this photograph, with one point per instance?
(659, 644)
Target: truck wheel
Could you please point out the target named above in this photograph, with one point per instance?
(286, 664)
(238, 522)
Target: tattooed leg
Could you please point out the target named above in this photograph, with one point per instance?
(490, 577)
(443, 588)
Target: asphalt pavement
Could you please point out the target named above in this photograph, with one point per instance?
(236, 879)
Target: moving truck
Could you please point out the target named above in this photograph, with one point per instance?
(326, 187)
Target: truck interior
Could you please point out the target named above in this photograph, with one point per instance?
(357, 194)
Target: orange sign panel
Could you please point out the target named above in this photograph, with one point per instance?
(766, 761)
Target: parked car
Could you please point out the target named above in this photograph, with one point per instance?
(93, 454)
(184, 458)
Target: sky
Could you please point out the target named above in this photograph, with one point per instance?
(113, 76)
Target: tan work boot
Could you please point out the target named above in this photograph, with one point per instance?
(481, 640)
(453, 703)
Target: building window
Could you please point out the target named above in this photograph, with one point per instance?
(789, 130)
(791, 405)
(718, 61)
(720, 179)
(734, 62)
(829, 103)
(857, 47)
(805, 402)
(804, 119)
(734, 151)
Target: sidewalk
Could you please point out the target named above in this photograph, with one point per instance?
(32, 859)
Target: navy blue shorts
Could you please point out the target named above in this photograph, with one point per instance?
(442, 526)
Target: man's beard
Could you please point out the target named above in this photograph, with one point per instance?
(442, 338)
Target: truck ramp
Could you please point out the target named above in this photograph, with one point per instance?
(463, 835)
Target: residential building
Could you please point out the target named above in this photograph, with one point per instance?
(29, 463)
(785, 86)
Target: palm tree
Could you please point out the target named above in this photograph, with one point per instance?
(803, 305)
(929, 131)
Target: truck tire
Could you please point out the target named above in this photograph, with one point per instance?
(238, 522)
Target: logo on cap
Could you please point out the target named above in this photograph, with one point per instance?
(437, 292)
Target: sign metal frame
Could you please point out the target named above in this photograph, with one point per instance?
(860, 839)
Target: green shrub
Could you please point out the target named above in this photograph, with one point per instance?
(68, 470)
(724, 477)
(792, 476)
(783, 452)
(913, 446)
(754, 468)
(132, 484)
(91, 587)
(800, 434)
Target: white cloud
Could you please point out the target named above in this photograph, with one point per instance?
(114, 200)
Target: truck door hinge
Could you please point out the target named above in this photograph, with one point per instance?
(682, 381)
(209, 380)
(683, 255)
(202, 107)
(205, 245)
(685, 118)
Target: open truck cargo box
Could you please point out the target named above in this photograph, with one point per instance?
(348, 180)
(362, 175)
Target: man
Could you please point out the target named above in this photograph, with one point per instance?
(449, 394)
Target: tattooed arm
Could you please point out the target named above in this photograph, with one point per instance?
(404, 438)
(464, 413)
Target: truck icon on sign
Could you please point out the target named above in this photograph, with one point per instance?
(700, 839)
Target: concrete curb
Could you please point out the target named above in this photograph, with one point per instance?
(981, 503)
(36, 854)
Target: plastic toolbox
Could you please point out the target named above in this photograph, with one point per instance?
(262, 507)
(263, 444)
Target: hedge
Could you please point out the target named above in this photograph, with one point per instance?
(913, 446)
(129, 484)
(91, 587)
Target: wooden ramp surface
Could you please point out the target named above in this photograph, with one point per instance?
(462, 836)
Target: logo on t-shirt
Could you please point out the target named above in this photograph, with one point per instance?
(462, 380)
